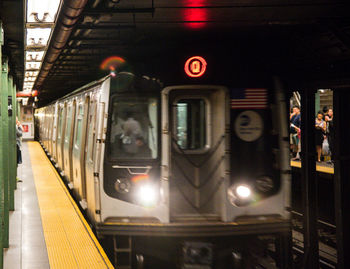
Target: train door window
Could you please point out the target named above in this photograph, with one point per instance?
(79, 125)
(93, 129)
(68, 124)
(190, 126)
(60, 122)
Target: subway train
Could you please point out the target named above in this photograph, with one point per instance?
(175, 176)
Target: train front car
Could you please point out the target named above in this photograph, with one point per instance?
(216, 183)
(131, 179)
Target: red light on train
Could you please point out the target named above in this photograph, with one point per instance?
(195, 66)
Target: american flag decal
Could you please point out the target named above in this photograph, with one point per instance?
(248, 98)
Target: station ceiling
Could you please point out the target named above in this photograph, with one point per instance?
(11, 15)
(297, 37)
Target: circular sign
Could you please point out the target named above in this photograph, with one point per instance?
(195, 66)
(249, 126)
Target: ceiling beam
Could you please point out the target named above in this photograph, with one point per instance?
(100, 11)
(105, 27)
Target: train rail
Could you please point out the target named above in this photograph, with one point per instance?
(327, 240)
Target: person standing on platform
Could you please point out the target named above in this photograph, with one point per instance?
(330, 132)
(295, 121)
(320, 126)
(19, 133)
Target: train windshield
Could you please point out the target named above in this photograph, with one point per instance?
(133, 128)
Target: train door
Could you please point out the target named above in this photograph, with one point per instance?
(60, 135)
(54, 132)
(45, 128)
(79, 149)
(194, 151)
(68, 140)
(50, 130)
(90, 156)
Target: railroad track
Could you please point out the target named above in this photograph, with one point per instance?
(327, 240)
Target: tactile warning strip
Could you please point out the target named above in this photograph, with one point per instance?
(319, 168)
(69, 240)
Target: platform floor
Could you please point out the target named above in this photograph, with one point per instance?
(47, 229)
(322, 167)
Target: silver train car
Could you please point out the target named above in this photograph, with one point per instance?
(187, 176)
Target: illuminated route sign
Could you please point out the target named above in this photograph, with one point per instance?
(195, 66)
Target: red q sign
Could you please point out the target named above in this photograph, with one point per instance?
(195, 66)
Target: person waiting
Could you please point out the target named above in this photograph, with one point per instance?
(320, 126)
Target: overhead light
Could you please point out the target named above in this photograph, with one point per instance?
(42, 11)
(34, 55)
(31, 73)
(30, 79)
(32, 66)
(38, 37)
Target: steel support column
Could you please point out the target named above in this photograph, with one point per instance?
(309, 180)
(1, 157)
(15, 114)
(342, 174)
(5, 148)
(11, 144)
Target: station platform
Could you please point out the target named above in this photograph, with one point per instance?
(47, 230)
(322, 167)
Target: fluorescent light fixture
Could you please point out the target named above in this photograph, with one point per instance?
(30, 79)
(32, 65)
(42, 11)
(34, 56)
(38, 37)
(31, 73)
(28, 83)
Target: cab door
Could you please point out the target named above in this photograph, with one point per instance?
(60, 135)
(79, 148)
(194, 146)
(90, 157)
(68, 140)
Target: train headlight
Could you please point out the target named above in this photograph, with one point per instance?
(147, 195)
(264, 184)
(243, 191)
(239, 194)
(122, 185)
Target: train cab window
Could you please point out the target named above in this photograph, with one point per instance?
(133, 128)
(191, 124)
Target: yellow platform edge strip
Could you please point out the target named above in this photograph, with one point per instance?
(319, 168)
(34, 147)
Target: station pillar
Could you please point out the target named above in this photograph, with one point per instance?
(309, 179)
(1, 157)
(341, 123)
(12, 143)
(5, 148)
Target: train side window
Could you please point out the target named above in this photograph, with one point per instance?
(191, 124)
